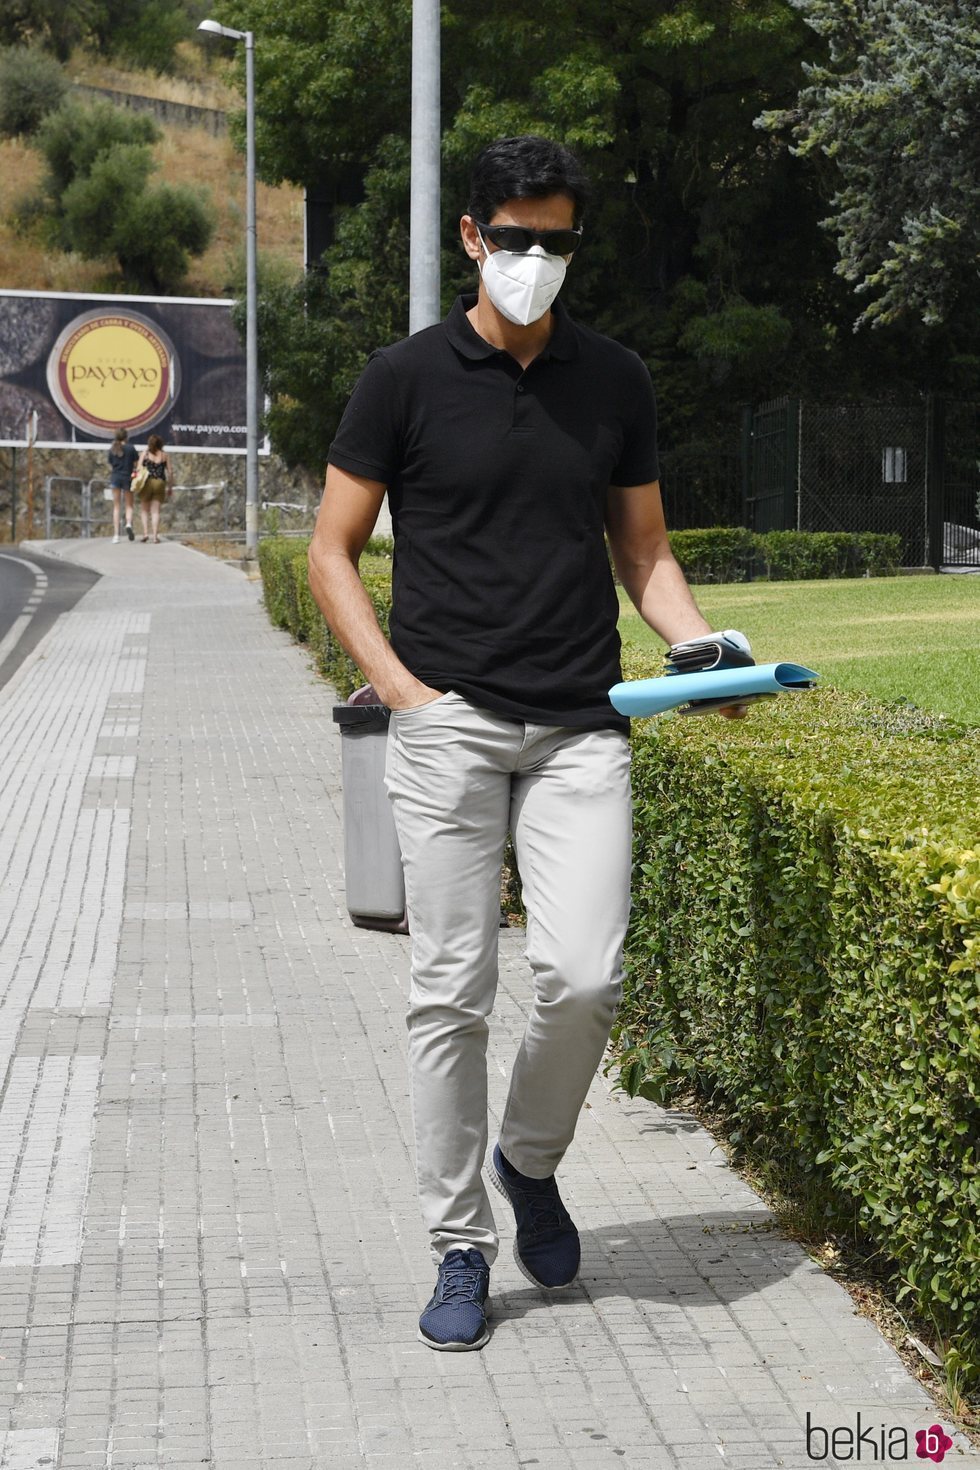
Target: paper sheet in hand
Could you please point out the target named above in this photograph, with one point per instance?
(639, 697)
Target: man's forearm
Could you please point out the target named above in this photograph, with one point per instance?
(659, 591)
(341, 597)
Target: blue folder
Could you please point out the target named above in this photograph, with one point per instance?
(710, 689)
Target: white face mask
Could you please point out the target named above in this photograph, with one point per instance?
(522, 287)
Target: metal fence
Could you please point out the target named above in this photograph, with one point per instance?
(771, 466)
(956, 439)
(863, 467)
(912, 469)
(70, 502)
(77, 507)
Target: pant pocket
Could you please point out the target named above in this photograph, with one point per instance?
(420, 709)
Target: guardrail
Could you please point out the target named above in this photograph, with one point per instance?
(88, 517)
(72, 502)
(84, 520)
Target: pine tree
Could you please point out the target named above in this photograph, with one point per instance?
(897, 109)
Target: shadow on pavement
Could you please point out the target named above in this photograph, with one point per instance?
(698, 1259)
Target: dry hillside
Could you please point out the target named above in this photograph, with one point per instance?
(201, 77)
(184, 155)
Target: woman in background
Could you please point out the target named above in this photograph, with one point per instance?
(122, 458)
(159, 485)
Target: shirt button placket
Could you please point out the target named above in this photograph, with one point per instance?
(521, 404)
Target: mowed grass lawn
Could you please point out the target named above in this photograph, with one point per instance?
(915, 638)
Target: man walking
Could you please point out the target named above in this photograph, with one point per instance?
(510, 441)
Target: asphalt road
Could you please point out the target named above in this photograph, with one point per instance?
(34, 591)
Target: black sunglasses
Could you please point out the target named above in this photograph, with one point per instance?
(517, 240)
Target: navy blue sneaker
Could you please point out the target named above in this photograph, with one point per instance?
(547, 1247)
(455, 1320)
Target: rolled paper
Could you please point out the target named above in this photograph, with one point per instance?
(639, 697)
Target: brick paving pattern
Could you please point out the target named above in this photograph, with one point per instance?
(210, 1252)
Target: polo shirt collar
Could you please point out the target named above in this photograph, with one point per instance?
(562, 343)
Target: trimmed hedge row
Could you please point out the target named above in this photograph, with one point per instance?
(805, 946)
(720, 555)
(290, 604)
(717, 554)
(733, 554)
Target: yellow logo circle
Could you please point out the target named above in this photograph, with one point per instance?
(113, 369)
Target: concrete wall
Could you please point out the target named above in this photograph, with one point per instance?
(180, 114)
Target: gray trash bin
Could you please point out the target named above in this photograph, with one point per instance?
(372, 857)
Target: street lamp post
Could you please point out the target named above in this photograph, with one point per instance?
(423, 293)
(251, 293)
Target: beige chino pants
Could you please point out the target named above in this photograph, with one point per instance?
(458, 777)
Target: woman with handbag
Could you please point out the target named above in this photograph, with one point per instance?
(154, 483)
(122, 458)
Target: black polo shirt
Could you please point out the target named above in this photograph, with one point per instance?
(497, 478)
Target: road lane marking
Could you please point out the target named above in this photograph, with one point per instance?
(21, 624)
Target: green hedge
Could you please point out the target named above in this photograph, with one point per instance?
(805, 943)
(733, 554)
(719, 554)
(796, 556)
(290, 604)
(805, 948)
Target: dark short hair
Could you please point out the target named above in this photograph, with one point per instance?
(528, 167)
(154, 444)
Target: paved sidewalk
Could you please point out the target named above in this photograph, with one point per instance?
(210, 1253)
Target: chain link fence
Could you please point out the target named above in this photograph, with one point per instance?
(863, 467)
(961, 477)
(911, 469)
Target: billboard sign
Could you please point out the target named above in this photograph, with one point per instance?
(88, 365)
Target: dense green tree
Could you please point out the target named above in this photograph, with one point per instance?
(57, 25)
(100, 202)
(143, 32)
(897, 108)
(659, 100)
(156, 236)
(71, 139)
(99, 195)
(32, 84)
(703, 248)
